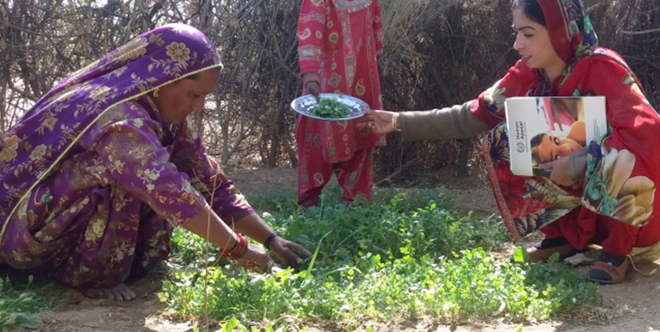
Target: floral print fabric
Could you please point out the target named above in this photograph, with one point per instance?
(94, 181)
(338, 45)
(623, 167)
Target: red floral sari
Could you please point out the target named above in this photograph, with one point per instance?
(616, 199)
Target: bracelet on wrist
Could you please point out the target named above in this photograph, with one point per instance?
(395, 122)
(270, 238)
(238, 241)
(238, 250)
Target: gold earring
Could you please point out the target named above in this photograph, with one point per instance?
(156, 92)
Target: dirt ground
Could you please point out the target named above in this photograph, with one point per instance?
(635, 303)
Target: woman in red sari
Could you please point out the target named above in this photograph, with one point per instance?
(338, 41)
(602, 194)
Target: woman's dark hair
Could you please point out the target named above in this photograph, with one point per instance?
(192, 77)
(196, 75)
(532, 9)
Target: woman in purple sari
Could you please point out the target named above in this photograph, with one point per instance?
(99, 171)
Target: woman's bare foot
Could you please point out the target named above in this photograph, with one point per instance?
(120, 292)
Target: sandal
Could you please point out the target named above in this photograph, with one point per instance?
(548, 247)
(609, 269)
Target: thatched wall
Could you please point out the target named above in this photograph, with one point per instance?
(437, 53)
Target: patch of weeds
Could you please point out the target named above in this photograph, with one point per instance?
(413, 199)
(396, 259)
(560, 283)
(385, 228)
(19, 307)
(276, 202)
(189, 249)
(471, 286)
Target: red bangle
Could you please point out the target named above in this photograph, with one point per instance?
(238, 250)
(241, 249)
(224, 253)
(234, 246)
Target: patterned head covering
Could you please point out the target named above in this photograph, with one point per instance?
(570, 28)
(32, 148)
(572, 37)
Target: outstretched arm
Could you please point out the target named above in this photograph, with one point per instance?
(228, 205)
(254, 227)
(446, 123)
(209, 226)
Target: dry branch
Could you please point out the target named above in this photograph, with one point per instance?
(436, 52)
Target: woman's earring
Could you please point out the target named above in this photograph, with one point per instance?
(156, 92)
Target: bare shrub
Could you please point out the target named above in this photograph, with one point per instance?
(437, 53)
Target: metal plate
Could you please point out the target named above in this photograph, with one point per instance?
(306, 105)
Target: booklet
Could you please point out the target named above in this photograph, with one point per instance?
(542, 129)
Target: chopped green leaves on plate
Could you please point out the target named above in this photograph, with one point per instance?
(331, 108)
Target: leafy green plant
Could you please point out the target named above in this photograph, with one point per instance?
(384, 229)
(19, 308)
(473, 286)
(188, 249)
(396, 259)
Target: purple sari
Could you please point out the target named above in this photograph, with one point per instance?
(94, 180)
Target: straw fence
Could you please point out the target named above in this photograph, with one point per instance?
(437, 53)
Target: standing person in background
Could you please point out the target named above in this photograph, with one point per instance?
(338, 41)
